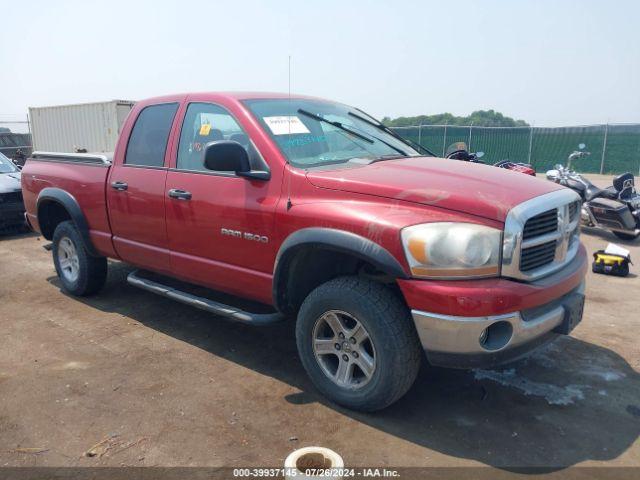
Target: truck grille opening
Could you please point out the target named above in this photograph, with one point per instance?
(534, 257)
(573, 210)
(545, 222)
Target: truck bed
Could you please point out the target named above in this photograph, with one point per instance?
(84, 176)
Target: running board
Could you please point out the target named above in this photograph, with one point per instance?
(203, 303)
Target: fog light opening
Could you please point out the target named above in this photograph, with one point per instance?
(496, 335)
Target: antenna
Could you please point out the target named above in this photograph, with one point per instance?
(289, 87)
(289, 204)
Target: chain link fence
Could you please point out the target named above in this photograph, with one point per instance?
(615, 148)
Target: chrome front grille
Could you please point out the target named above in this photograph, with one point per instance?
(541, 235)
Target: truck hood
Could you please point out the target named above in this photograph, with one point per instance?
(475, 189)
(9, 182)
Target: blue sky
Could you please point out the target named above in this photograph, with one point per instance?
(548, 62)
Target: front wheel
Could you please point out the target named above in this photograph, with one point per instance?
(358, 343)
(80, 273)
(625, 236)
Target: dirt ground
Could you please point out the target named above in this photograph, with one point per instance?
(139, 380)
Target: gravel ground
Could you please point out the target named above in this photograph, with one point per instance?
(133, 379)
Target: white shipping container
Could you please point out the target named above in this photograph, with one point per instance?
(93, 127)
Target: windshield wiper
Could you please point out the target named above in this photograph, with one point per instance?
(348, 130)
(386, 129)
(335, 124)
(397, 149)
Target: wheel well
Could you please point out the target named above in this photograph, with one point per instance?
(50, 215)
(308, 267)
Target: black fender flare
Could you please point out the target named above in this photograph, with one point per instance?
(334, 240)
(71, 205)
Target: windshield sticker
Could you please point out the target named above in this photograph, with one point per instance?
(205, 129)
(285, 125)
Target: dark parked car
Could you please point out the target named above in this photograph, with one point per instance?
(11, 205)
(16, 146)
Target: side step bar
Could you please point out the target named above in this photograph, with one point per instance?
(202, 303)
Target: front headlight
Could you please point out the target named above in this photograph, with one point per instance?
(452, 250)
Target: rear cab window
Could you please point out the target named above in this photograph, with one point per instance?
(148, 140)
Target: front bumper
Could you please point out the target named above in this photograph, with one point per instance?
(467, 342)
(11, 215)
(480, 323)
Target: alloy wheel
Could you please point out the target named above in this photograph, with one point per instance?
(68, 259)
(343, 349)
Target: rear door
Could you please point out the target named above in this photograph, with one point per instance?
(136, 186)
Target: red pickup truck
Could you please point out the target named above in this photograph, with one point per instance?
(315, 211)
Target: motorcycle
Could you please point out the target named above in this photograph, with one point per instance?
(615, 208)
(459, 151)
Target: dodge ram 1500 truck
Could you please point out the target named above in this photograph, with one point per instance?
(316, 211)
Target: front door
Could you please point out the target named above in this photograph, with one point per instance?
(135, 191)
(219, 225)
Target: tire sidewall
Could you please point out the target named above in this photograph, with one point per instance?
(356, 306)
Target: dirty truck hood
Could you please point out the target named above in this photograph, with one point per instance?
(9, 182)
(476, 189)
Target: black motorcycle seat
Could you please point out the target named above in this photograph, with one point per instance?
(597, 192)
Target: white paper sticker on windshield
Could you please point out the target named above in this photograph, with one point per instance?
(285, 125)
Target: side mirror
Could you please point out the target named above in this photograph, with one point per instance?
(553, 175)
(226, 156)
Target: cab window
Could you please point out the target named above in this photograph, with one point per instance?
(205, 123)
(148, 140)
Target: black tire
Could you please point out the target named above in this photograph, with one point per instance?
(625, 236)
(91, 271)
(391, 331)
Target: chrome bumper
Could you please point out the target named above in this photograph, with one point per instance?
(463, 342)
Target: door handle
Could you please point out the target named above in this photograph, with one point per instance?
(120, 186)
(179, 194)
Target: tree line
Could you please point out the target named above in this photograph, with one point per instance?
(480, 118)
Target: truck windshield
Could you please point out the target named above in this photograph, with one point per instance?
(6, 165)
(312, 133)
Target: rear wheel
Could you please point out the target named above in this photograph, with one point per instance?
(625, 236)
(80, 273)
(358, 344)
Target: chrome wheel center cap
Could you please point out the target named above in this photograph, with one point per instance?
(346, 346)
